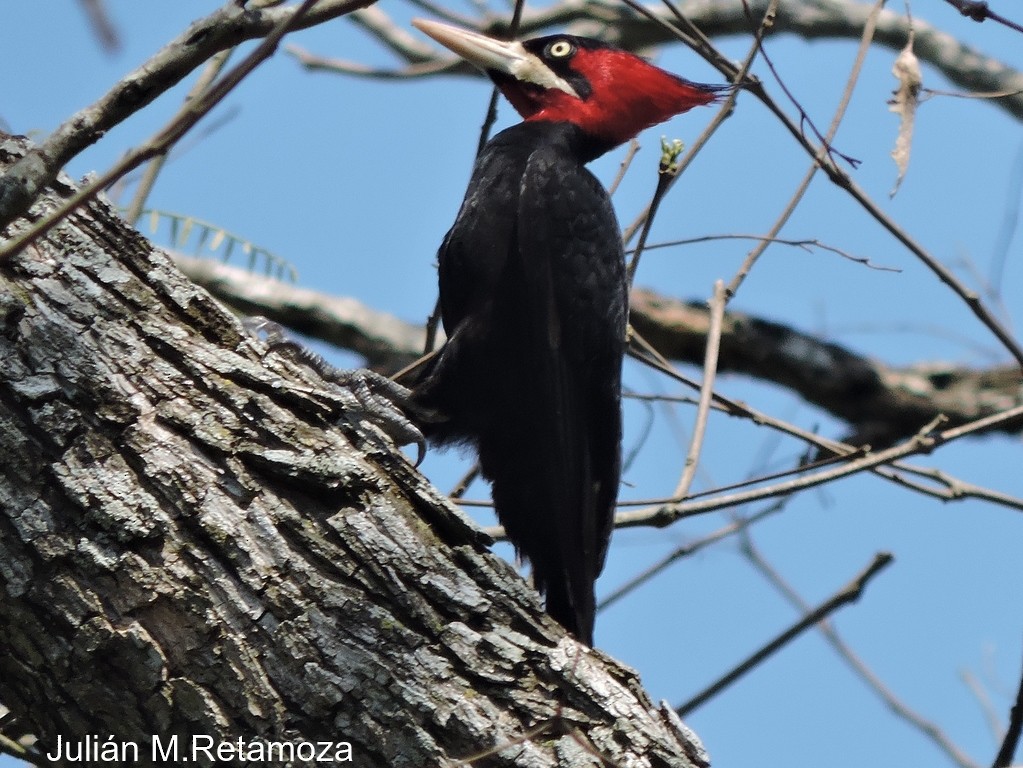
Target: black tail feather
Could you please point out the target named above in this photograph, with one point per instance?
(573, 606)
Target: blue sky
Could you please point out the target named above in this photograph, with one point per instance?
(356, 181)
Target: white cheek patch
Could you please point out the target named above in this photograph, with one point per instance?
(529, 68)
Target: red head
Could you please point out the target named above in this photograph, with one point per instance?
(609, 93)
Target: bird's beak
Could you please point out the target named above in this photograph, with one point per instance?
(484, 52)
(494, 56)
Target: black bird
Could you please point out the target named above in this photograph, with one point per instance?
(534, 301)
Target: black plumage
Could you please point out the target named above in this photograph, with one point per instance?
(533, 299)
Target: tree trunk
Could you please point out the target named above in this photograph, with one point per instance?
(202, 539)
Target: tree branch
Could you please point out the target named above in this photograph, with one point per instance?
(978, 11)
(385, 342)
(870, 678)
(882, 404)
(850, 593)
(223, 29)
(927, 439)
(1012, 732)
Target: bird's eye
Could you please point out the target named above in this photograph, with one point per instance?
(560, 49)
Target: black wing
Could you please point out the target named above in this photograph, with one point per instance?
(573, 330)
(533, 298)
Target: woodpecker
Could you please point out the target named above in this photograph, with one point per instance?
(534, 301)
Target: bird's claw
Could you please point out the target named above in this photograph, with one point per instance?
(384, 403)
(379, 400)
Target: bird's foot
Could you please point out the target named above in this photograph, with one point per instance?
(379, 400)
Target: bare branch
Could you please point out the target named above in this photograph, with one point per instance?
(754, 480)
(848, 594)
(881, 403)
(806, 244)
(710, 366)
(685, 551)
(739, 75)
(842, 179)
(210, 72)
(1012, 733)
(946, 487)
(667, 172)
(221, 30)
(869, 677)
(623, 167)
(397, 38)
(865, 40)
(180, 124)
(386, 342)
(978, 10)
(925, 441)
(316, 63)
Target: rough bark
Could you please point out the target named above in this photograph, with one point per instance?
(201, 538)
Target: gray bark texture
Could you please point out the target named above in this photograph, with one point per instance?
(198, 536)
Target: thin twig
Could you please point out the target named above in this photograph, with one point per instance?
(443, 13)
(954, 488)
(187, 117)
(623, 168)
(210, 72)
(806, 244)
(316, 63)
(666, 173)
(841, 179)
(398, 37)
(224, 28)
(786, 214)
(1012, 732)
(491, 118)
(962, 65)
(848, 594)
(685, 551)
(925, 441)
(927, 93)
(884, 464)
(463, 484)
(987, 706)
(699, 42)
(1008, 229)
(896, 705)
(804, 117)
(414, 366)
(710, 365)
(646, 354)
(799, 469)
(978, 10)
